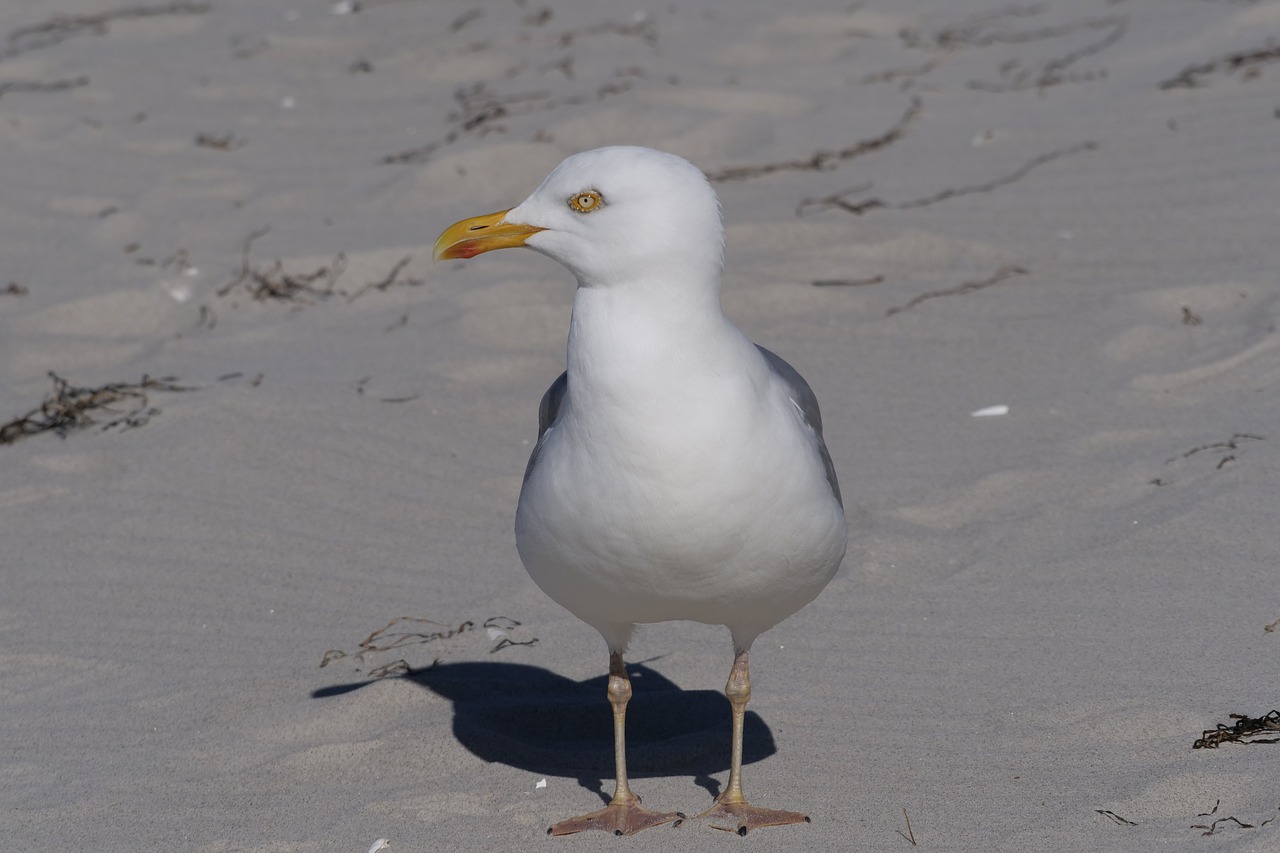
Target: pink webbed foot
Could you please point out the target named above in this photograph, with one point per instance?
(744, 817)
(620, 818)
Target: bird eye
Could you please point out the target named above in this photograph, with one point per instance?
(586, 202)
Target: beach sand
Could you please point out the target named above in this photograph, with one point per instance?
(933, 208)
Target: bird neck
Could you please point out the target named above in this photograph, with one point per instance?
(641, 343)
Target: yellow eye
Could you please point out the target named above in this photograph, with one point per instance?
(586, 202)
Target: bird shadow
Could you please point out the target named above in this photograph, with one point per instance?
(532, 719)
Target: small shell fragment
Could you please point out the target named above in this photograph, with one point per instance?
(990, 412)
(379, 844)
(542, 783)
(180, 291)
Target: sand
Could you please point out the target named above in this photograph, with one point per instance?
(1065, 209)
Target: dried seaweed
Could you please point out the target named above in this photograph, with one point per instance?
(991, 28)
(465, 18)
(70, 408)
(255, 381)
(840, 202)
(822, 161)
(891, 74)
(42, 85)
(275, 283)
(643, 29)
(1230, 444)
(480, 111)
(59, 28)
(1211, 828)
(389, 280)
(538, 18)
(1016, 77)
(1248, 61)
(1112, 816)
(1246, 729)
(385, 640)
(971, 31)
(478, 106)
(179, 260)
(224, 142)
(967, 287)
(14, 289)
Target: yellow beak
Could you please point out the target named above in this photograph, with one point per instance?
(480, 234)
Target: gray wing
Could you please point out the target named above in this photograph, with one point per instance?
(548, 409)
(802, 395)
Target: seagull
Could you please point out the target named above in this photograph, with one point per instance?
(680, 471)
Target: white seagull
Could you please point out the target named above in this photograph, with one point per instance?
(680, 471)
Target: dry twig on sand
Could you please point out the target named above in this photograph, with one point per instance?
(910, 834)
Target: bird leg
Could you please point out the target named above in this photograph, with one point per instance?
(732, 804)
(624, 815)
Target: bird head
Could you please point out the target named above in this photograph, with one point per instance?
(611, 216)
